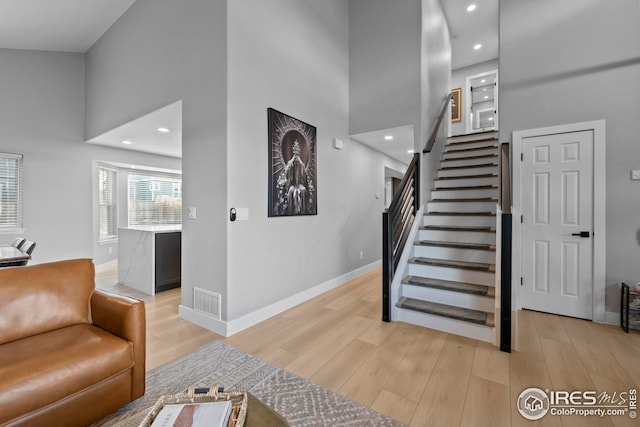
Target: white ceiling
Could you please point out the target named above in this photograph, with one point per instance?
(397, 148)
(75, 25)
(57, 25)
(469, 28)
(144, 135)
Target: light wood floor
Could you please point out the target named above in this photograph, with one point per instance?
(418, 376)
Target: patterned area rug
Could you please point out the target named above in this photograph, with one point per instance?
(299, 401)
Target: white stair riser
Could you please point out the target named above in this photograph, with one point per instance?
(452, 274)
(481, 144)
(475, 221)
(461, 207)
(452, 326)
(465, 194)
(474, 136)
(468, 171)
(457, 299)
(465, 182)
(464, 152)
(468, 162)
(458, 236)
(455, 254)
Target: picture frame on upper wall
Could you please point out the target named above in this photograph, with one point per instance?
(456, 105)
(293, 185)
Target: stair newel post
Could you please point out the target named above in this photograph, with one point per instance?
(505, 248)
(387, 265)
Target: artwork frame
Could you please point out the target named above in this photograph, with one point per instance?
(292, 156)
(456, 105)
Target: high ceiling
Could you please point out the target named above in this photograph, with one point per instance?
(159, 132)
(57, 25)
(467, 29)
(75, 25)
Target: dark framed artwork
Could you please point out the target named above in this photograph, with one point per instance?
(456, 105)
(292, 166)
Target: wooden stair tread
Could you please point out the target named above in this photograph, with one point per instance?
(463, 150)
(444, 310)
(464, 265)
(471, 187)
(458, 245)
(483, 156)
(465, 288)
(484, 175)
(459, 228)
(482, 199)
(481, 132)
(482, 165)
(460, 214)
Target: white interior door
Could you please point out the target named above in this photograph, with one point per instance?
(557, 223)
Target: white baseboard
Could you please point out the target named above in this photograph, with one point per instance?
(200, 319)
(246, 321)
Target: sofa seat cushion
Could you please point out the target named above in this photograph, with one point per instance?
(42, 369)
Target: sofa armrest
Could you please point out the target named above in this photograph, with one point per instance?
(125, 318)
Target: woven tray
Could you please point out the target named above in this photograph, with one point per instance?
(214, 394)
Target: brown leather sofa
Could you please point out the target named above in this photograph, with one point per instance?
(69, 353)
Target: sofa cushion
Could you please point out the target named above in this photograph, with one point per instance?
(59, 364)
(44, 297)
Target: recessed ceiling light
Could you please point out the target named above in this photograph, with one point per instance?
(477, 46)
(163, 130)
(388, 138)
(471, 7)
(486, 97)
(410, 151)
(127, 142)
(490, 119)
(481, 81)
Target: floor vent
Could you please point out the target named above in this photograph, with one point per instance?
(207, 302)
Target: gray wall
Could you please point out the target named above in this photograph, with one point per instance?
(574, 61)
(293, 55)
(459, 79)
(158, 52)
(436, 85)
(384, 66)
(42, 118)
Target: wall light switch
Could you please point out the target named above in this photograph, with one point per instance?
(338, 144)
(192, 212)
(635, 175)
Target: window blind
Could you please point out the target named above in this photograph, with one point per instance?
(10, 191)
(108, 205)
(154, 200)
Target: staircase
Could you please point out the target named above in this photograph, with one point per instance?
(449, 282)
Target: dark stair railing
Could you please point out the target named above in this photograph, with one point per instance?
(396, 225)
(505, 248)
(398, 219)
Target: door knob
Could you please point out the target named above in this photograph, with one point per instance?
(582, 234)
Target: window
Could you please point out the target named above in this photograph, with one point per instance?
(10, 192)
(155, 200)
(108, 205)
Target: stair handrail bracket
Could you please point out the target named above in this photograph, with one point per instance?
(397, 223)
